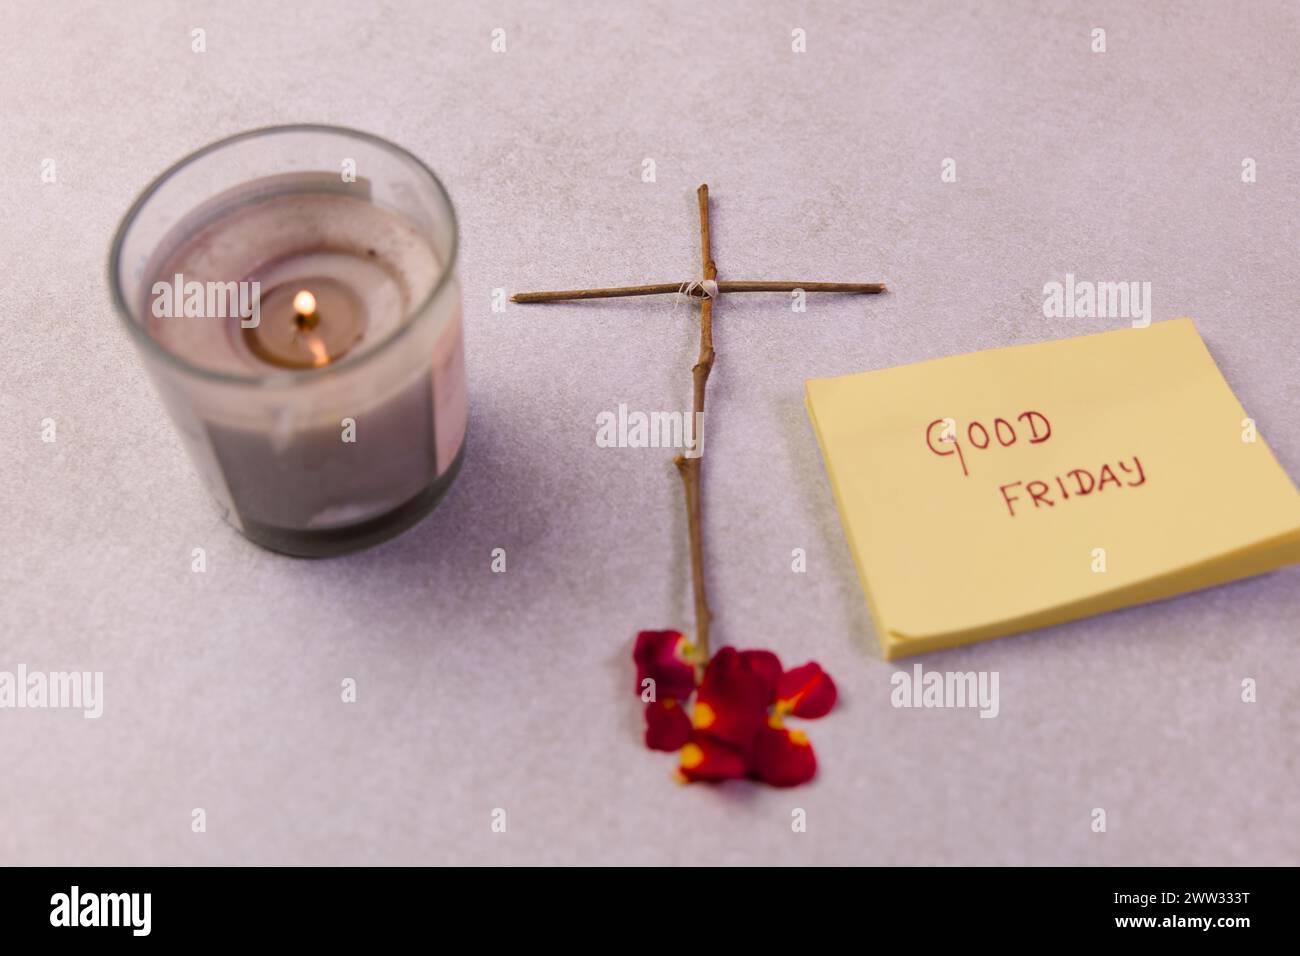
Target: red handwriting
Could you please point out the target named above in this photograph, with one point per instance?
(941, 435)
(1076, 483)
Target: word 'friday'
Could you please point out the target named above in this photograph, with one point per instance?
(1077, 482)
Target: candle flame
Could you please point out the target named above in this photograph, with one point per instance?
(304, 303)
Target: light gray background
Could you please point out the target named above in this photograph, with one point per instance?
(481, 690)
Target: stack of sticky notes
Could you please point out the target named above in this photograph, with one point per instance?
(1000, 491)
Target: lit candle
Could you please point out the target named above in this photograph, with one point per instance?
(291, 334)
(305, 331)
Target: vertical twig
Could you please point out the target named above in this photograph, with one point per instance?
(689, 468)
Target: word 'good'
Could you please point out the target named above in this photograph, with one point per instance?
(941, 434)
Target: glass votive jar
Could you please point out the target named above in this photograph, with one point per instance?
(293, 293)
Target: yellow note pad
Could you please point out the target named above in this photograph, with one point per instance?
(995, 492)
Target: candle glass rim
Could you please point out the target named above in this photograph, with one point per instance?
(278, 377)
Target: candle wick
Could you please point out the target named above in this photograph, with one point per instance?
(304, 308)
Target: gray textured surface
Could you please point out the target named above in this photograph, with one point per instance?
(478, 690)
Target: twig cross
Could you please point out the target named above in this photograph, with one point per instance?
(706, 290)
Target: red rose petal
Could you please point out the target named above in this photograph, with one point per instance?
(806, 691)
(732, 701)
(783, 757)
(660, 657)
(708, 760)
(767, 666)
(666, 725)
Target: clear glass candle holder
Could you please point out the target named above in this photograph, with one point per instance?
(292, 291)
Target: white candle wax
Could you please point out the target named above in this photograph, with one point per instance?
(351, 447)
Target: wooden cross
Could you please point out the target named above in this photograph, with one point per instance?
(706, 290)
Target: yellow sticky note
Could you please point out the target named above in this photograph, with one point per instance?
(995, 492)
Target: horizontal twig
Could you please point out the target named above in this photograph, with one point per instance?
(663, 288)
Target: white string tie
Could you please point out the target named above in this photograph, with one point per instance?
(708, 287)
